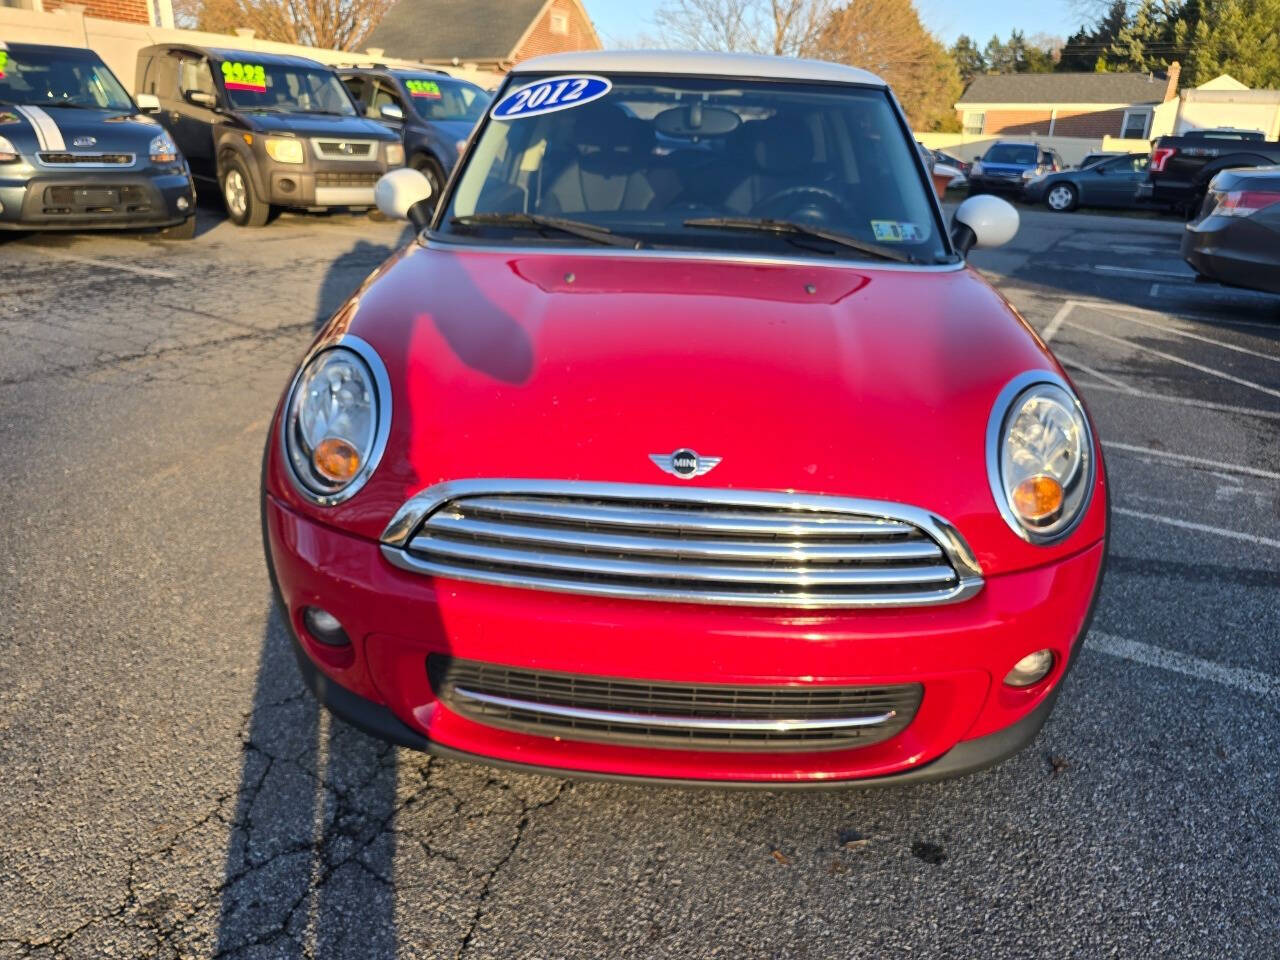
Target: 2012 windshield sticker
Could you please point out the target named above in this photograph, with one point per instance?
(428, 89)
(244, 76)
(4, 61)
(550, 95)
(892, 231)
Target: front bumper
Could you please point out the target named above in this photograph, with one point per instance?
(959, 653)
(94, 200)
(1005, 185)
(1238, 251)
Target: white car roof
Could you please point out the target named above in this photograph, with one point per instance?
(690, 63)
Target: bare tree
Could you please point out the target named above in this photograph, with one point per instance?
(334, 24)
(788, 28)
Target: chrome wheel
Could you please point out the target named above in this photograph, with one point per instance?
(236, 193)
(1061, 198)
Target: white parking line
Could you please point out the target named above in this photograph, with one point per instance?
(1209, 318)
(1199, 527)
(1144, 272)
(1195, 336)
(1185, 401)
(1176, 359)
(1052, 329)
(1198, 461)
(1104, 377)
(1251, 681)
(1210, 292)
(94, 262)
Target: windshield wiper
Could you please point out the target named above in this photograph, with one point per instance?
(537, 221)
(766, 225)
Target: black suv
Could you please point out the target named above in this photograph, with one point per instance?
(436, 112)
(270, 129)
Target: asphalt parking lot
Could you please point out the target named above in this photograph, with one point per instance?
(170, 790)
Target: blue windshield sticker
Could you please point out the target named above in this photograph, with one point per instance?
(550, 95)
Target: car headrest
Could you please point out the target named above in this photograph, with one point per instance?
(607, 128)
(781, 144)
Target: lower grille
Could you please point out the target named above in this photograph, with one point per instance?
(673, 715)
(687, 544)
(329, 179)
(94, 200)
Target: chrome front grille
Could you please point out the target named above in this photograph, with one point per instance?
(675, 715)
(682, 544)
(345, 149)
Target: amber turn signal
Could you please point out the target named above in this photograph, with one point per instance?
(1037, 498)
(335, 459)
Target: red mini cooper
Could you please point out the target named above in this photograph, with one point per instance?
(681, 444)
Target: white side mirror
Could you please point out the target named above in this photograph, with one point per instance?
(983, 221)
(402, 195)
(148, 102)
(391, 111)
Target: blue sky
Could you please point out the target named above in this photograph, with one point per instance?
(620, 20)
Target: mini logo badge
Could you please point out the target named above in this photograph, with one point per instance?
(684, 463)
(84, 141)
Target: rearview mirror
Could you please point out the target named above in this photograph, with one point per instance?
(391, 111)
(148, 103)
(983, 221)
(201, 99)
(405, 194)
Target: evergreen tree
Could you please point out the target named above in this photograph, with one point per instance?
(968, 58)
(1085, 49)
(998, 56)
(1137, 47)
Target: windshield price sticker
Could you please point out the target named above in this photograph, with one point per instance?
(4, 61)
(423, 88)
(550, 95)
(244, 76)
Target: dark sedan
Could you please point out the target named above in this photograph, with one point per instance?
(1236, 239)
(1107, 183)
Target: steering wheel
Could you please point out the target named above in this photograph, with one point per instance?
(826, 204)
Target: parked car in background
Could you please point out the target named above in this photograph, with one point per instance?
(76, 153)
(270, 130)
(1091, 158)
(1236, 238)
(712, 465)
(434, 112)
(951, 160)
(1008, 165)
(1182, 166)
(1107, 183)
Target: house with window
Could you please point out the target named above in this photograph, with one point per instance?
(486, 35)
(1066, 104)
(155, 13)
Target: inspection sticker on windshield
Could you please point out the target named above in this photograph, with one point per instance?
(891, 231)
(550, 95)
(244, 76)
(423, 88)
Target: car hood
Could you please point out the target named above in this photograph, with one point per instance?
(111, 130)
(316, 125)
(862, 382)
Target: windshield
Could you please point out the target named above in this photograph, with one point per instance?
(666, 161)
(436, 97)
(284, 89)
(55, 79)
(1012, 153)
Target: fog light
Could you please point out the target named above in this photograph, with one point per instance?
(287, 185)
(1032, 668)
(324, 626)
(183, 204)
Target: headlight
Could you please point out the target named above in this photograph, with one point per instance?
(336, 421)
(1040, 457)
(284, 150)
(163, 149)
(395, 154)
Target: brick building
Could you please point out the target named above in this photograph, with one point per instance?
(149, 12)
(1065, 104)
(489, 34)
